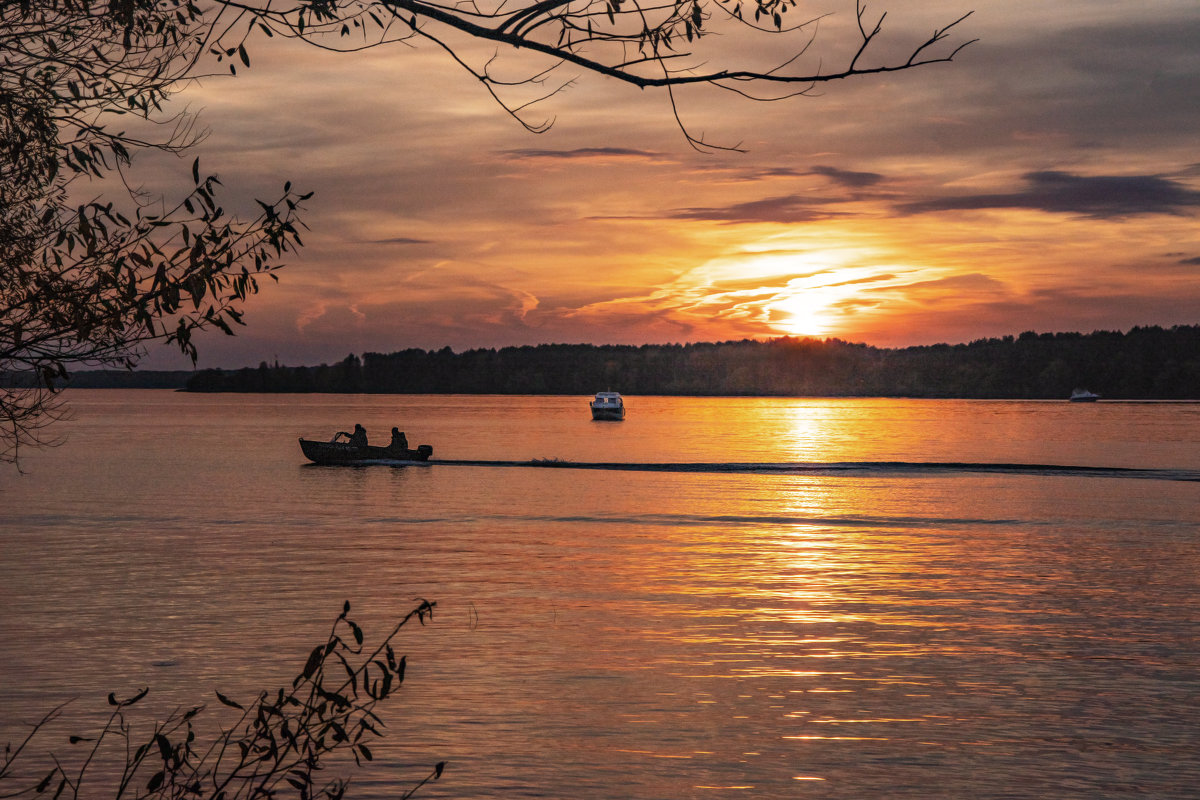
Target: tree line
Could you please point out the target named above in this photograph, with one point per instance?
(1144, 363)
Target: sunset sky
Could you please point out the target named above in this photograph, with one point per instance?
(1048, 179)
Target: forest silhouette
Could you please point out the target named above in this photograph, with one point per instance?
(1144, 363)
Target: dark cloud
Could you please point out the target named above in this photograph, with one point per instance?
(1099, 197)
(777, 172)
(1190, 261)
(842, 177)
(586, 153)
(785, 209)
(1123, 82)
(852, 180)
(400, 240)
(760, 174)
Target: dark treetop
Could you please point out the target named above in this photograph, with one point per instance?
(1145, 363)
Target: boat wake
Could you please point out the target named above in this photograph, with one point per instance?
(846, 468)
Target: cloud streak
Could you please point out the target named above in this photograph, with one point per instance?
(584, 154)
(784, 209)
(1098, 197)
(400, 240)
(848, 178)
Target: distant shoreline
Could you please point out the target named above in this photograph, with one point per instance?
(1103, 401)
(112, 379)
(1146, 363)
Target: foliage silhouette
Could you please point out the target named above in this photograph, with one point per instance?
(274, 750)
(88, 283)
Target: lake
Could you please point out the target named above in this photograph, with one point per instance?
(852, 598)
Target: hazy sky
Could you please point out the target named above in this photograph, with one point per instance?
(1048, 179)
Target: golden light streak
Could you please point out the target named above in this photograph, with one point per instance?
(819, 282)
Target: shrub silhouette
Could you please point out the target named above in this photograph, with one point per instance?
(274, 750)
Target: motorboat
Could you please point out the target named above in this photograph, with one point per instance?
(337, 452)
(608, 406)
(1084, 396)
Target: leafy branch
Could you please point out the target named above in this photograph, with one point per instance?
(275, 749)
(649, 44)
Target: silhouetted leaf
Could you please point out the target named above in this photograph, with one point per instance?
(335, 698)
(164, 746)
(113, 701)
(314, 661)
(155, 781)
(231, 703)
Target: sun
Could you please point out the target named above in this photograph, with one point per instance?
(799, 284)
(804, 313)
(817, 304)
(796, 285)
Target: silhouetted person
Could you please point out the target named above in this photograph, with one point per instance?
(399, 442)
(358, 438)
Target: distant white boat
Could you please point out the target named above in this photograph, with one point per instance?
(608, 406)
(1084, 396)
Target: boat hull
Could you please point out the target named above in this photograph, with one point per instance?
(608, 406)
(346, 453)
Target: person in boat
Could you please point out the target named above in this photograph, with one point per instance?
(399, 441)
(358, 438)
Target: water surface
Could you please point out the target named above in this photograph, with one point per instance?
(916, 626)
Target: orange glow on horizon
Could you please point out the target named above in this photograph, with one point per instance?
(822, 283)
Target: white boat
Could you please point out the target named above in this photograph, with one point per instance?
(1084, 396)
(608, 406)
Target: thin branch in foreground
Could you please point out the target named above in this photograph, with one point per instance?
(275, 749)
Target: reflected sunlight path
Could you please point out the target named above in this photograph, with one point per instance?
(899, 468)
